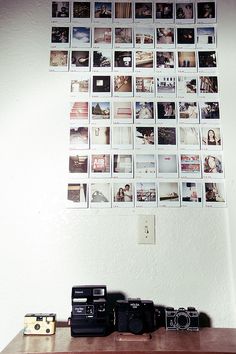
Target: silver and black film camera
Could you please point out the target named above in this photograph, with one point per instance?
(182, 319)
(135, 316)
(89, 316)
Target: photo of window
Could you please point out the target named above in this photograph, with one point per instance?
(206, 36)
(101, 84)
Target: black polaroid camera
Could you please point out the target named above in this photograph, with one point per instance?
(135, 316)
(89, 316)
(182, 319)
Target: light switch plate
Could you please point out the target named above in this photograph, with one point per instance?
(146, 229)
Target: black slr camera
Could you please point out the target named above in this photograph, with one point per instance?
(135, 316)
(182, 319)
(89, 316)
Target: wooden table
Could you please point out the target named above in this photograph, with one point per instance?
(207, 340)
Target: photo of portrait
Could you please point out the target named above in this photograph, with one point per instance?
(184, 12)
(80, 86)
(60, 35)
(123, 192)
(166, 110)
(144, 110)
(191, 193)
(165, 60)
(164, 11)
(168, 192)
(207, 59)
(123, 84)
(209, 110)
(206, 10)
(188, 111)
(189, 137)
(61, 10)
(145, 165)
(144, 136)
(100, 136)
(190, 165)
(212, 165)
(167, 165)
(122, 164)
(187, 85)
(166, 136)
(211, 137)
(123, 59)
(123, 36)
(146, 192)
(102, 36)
(78, 164)
(185, 36)
(102, 59)
(81, 10)
(81, 37)
(165, 36)
(215, 193)
(102, 10)
(122, 112)
(100, 110)
(80, 59)
(123, 10)
(144, 36)
(79, 110)
(79, 137)
(166, 85)
(206, 37)
(145, 85)
(100, 195)
(101, 84)
(143, 10)
(209, 84)
(100, 164)
(77, 194)
(144, 59)
(187, 59)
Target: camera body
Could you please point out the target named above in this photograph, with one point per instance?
(40, 323)
(89, 316)
(135, 316)
(182, 319)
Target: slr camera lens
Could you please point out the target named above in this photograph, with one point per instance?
(135, 324)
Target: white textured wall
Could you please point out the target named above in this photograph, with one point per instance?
(45, 249)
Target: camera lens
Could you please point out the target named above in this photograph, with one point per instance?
(182, 320)
(135, 324)
(37, 327)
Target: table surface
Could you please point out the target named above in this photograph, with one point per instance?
(207, 340)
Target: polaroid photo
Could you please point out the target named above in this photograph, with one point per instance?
(100, 137)
(80, 60)
(60, 37)
(143, 11)
(167, 165)
(80, 86)
(144, 86)
(187, 87)
(211, 138)
(101, 60)
(185, 11)
(146, 194)
(145, 137)
(78, 164)
(144, 37)
(123, 85)
(80, 37)
(212, 165)
(166, 112)
(144, 112)
(102, 11)
(122, 166)
(169, 194)
(189, 137)
(206, 11)
(190, 165)
(145, 166)
(165, 37)
(187, 62)
(207, 61)
(101, 85)
(166, 137)
(122, 112)
(214, 194)
(100, 112)
(209, 112)
(164, 11)
(166, 86)
(123, 12)
(102, 37)
(123, 60)
(185, 38)
(79, 112)
(144, 60)
(100, 165)
(81, 11)
(206, 37)
(165, 61)
(59, 60)
(123, 194)
(123, 37)
(122, 137)
(79, 138)
(100, 195)
(188, 112)
(61, 11)
(191, 194)
(208, 87)
(77, 195)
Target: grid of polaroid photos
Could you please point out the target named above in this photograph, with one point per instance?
(144, 111)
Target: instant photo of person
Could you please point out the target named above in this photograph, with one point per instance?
(61, 10)
(209, 111)
(123, 37)
(100, 195)
(185, 37)
(79, 110)
(143, 11)
(166, 136)
(184, 12)
(102, 10)
(102, 60)
(144, 111)
(81, 37)
(80, 60)
(100, 110)
(165, 60)
(60, 36)
(213, 166)
(165, 37)
(164, 11)
(123, 59)
(191, 194)
(77, 195)
(101, 84)
(206, 11)
(166, 110)
(211, 138)
(144, 59)
(81, 10)
(123, 11)
(144, 37)
(123, 194)
(145, 137)
(214, 194)
(188, 112)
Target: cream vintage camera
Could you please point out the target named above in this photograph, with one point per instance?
(40, 323)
